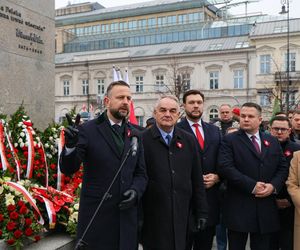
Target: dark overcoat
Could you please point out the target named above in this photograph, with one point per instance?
(209, 161)
(112, 229)
(242, 166)
(175, 184)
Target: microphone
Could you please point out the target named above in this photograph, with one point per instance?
(134, 145)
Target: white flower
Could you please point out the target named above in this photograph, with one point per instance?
(51, 147)
(1, 189)
(33, 132)
(26, 144)
(22, 145)
(25, 116)
(46, 145)
(22, 134)
(23, 126)
(20, 140)
(53, 129)
(50, 138)
(20, 124)
(16, 144)
(76, 206)
(34, 144)
(9, 199)
(38, 138)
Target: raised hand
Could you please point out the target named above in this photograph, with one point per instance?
(71, 132)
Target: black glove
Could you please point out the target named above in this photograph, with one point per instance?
(130, 201)
(71, 132)
(201, 224)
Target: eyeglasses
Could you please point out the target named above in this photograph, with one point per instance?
(283, 130)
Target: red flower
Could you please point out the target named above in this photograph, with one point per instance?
(37, 238)
(1, 217)
(25, 153)
(28, 231)
(21, 203)
(179, 144)
(10, 226)
(18, 233)
(10, 241)
(0, 233)
(28, 221)
(23, 210)
(267, 143)
(287, 153)
(53, 166)
(14, 215)
(11, 207)
(28, 124)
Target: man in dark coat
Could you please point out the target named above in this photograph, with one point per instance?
(193, 101)
(102, 145)
(284, 238)
(175, 181)
(255, 169)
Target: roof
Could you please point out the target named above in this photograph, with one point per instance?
(204, 46)
(271, 28)
(144, 8)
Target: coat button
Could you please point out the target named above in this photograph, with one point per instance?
(170, 153)
(173, 172)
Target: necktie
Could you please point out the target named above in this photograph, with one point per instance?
(168, 139)
(198, 135)
(117, 128)
(253, 139)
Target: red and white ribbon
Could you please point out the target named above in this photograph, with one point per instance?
(28, 197)
(30, 159)
(14, 153)
(60, 176)
(46, 165)
(50, 211)
(4, 161)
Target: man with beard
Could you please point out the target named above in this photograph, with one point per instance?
(102, 145)
(254, 166)
(281, 129)
(175, 181)
(209, 139)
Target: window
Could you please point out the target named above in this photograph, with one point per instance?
(142, 23)
(292, 62)
(132, 25)
(186, 81)
(241, 45)
(292, 98)
(151, 22)
(265, 61)
(140, 120)
(114, 27)
(182, 19)
(264, 100)
(216, 46)
(100, 87)
(161, 21)
(66, 86)
(213, 113)
(171, 20)
(159, 83)
(139, 84)
(123, 26)
(214, 80)
(85, 87)
(238, 79)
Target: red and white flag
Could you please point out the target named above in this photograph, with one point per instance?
(132, 117)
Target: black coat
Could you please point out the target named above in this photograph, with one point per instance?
(175, 185)
(286, 215)
(242, 166)
(209, 160)
(112, 229)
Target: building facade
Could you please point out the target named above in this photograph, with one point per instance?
(184, 46)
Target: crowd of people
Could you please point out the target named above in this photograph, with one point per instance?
(175, 185)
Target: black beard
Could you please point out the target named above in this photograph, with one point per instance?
(194, 117)
(116, 114)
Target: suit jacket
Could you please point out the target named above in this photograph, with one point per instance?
(242, 166)
(293, 186)
(175, 185)
(209, 157)
(286, 215)
(96, 148)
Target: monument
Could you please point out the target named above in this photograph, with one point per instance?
(27, 48)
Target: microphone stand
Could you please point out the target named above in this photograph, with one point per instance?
(81, 244)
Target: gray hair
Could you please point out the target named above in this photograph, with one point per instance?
(171, 97)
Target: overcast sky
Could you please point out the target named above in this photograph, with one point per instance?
(271, 7)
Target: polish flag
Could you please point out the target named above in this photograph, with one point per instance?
(132, 118)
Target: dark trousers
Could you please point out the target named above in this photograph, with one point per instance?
(258, 241)
(202, 240)
(283, 240)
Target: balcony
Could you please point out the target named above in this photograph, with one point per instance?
(282, 76)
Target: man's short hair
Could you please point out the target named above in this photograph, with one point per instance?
(280, 113)
(115, 83)
(280, 118)
(296, 112)
(225, 104)
(172, 97)
(252, 105)
(192, 92)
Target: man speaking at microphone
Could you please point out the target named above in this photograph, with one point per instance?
(102, 145)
